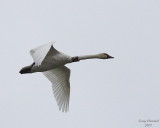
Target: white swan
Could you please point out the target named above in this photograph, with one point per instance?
(51, 63)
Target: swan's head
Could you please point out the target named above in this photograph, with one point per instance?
(104, 56)
(25, 70)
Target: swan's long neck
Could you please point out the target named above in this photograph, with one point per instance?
(78, 58)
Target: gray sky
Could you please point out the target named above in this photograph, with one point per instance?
(104, 93)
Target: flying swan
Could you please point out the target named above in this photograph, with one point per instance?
(51, 63)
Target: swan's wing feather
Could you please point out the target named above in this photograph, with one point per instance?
(40, 52)
(59, 78)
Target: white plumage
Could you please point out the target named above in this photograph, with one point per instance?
(40, 53)
(59, 78)
(51, 63)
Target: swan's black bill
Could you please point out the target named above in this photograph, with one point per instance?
(109, 57)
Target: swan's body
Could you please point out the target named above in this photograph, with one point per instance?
(51, 63)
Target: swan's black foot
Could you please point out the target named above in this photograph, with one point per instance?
(26, 69)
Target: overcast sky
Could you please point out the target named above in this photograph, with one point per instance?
(114, 93)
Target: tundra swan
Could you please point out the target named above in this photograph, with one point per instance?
(51, 63)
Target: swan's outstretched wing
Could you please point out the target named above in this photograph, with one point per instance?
(40, 52)
(59, 78)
